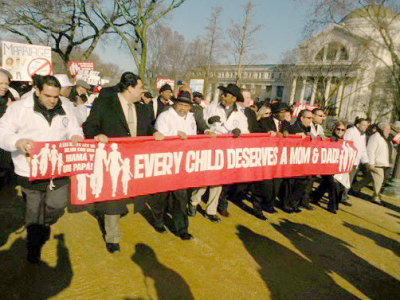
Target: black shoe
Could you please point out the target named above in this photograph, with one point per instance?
(308, 207)
(160, 229)
(315, 202)
(296, 210)
(332, 210)
(345, 203)
(186, 236)
(33, 254)
(259, 215)
(191, 211)
(113, 247)
(213, 218)
(271, 210)
(288, 210)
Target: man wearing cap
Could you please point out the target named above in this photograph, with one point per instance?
(176, 121)
(225, 116)
(198, 113)
(42, 117)
(117, 113)
(66, 90)
(163, 101)
(79, 93)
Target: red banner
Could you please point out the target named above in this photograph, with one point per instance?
(298, 107)
(75, 66)
(129, 167)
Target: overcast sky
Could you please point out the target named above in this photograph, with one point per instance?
(282, 20)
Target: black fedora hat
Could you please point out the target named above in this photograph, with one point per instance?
(279, 107)
(183, 97)
(234, 90)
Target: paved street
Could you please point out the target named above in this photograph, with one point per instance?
(311, 255)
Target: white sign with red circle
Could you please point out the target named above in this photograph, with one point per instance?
(40, 66)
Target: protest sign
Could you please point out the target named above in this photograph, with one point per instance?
(301, 106)
(162, 81)
(75, 66)
(25, 60)
(197, 85)
(89, 76)
(129, 167)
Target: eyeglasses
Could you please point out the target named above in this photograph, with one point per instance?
(340, 129)
(267, 114)
(310, 118)
(322, 116)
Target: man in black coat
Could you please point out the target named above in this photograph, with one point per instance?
(296, 191)
(118, 113)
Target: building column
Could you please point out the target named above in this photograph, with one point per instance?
(327, 88)
(293, 91)
(209, 92)
(339, 97)
(303, 90)
(314, 91)
(273, 91)
(216, 93)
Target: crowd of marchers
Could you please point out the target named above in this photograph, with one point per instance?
(52, 108)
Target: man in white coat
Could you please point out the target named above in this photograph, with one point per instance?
(175, 121)
(378, 150)
(41, 117)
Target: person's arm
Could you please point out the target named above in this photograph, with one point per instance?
(162, 125)
(92, 126)
(9, 125)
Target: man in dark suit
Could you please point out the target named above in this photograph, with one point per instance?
(118, 113)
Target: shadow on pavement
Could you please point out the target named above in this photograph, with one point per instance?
(378, 238)
(393, 215)
(12, 210)
(334, 255)
(168, 283)
(21, 280)
(287, 274)
(391, 206)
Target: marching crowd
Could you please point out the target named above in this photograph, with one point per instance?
(55, 109)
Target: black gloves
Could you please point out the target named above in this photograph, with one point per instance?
(236, 132)
(214, 119)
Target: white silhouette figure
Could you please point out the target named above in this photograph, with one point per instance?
(34, 164)
(92, 183)
(60, 163)
(100, 158)
(53, 158)
(126, 175)
(44, 159)
(82, 186)
(113, 161)
(344, 157)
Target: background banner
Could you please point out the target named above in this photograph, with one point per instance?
(129, 167)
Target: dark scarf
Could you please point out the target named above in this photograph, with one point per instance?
(48, 114)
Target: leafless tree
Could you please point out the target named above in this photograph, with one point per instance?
(214, 38)
(138, 16)
(243, 41)
(171, 56)
(63, 25)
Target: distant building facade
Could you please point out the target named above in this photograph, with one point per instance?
(263, 81)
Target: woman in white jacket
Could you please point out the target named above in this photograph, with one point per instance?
(378, 150)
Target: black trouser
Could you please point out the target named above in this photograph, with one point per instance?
(295, 191)
(176, 202)
(334, 188)
(265, 193)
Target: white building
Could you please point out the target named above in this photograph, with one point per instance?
(344, 66)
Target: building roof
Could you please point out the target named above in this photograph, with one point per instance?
(368, 11)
